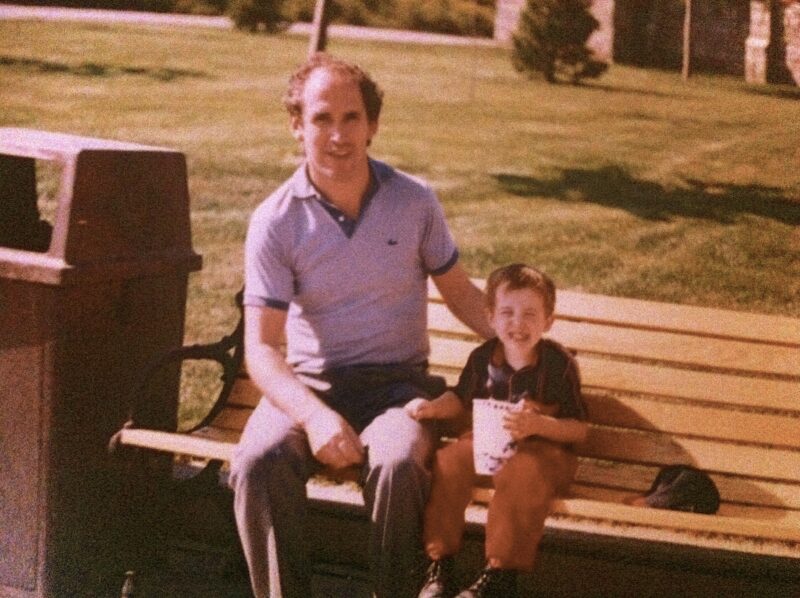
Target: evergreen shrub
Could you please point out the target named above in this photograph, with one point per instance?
(551, 39)
(256, 15)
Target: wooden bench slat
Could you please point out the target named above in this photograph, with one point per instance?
(771, 514)
(448, 356)
(657, 315)
(643, 447)
(245, 393)
(784, 517)
(694, 420)
(233, 418)
(677, 520)
(717, 353)
(642, 414)
(692, 385)
(636, 478)
(215, 446)
(677, 348)
(690, 319)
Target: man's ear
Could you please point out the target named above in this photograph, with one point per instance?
(373, 129)
(549, 322)
(296, 125)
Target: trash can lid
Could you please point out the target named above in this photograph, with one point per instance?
(46, 145)
(123, 209)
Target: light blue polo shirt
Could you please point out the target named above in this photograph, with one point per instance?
(355, 291)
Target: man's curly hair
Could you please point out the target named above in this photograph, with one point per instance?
(370, 92)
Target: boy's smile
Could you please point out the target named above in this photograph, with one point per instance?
(519, 319)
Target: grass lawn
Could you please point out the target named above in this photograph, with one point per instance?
(635, 185)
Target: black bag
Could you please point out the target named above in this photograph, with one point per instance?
(683, 488)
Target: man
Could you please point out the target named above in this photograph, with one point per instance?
(338, 257)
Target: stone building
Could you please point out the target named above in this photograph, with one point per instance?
(772, 50)
(759, 39)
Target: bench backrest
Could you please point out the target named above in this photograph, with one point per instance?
(664, 384)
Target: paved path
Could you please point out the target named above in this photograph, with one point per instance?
(43, 13)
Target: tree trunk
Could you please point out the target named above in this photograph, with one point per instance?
(319, 30)
(687, 40)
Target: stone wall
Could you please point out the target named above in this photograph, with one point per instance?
(759, 39)
(791, 26)
(650, 33)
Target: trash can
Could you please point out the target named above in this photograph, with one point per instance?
(85, 302)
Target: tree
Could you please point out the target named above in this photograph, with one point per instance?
(257, 14)
(551, 39)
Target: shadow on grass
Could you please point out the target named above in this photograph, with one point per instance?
(783, 92)
(93, 69)
(631, 90)
(614, 187)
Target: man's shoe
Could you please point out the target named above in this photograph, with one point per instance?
(493, 583)
(439, 579)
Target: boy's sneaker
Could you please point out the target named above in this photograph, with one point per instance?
(493, 583)
(439, 580)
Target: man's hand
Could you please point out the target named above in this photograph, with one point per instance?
(333, 442)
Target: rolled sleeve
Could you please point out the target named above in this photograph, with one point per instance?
(439, 252)
(268, 278)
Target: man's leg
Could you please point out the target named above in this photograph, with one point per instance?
(395, 491)
(524, 489)
(269, 469)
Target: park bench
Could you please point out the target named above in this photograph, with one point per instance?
(664, 384)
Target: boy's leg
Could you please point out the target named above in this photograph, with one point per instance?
(269, 469)
(524, 489)
(395, 491)
(451, 491)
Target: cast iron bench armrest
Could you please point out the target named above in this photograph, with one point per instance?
(228, 352)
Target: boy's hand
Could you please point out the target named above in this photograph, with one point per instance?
(420, 409)
(524, 422)
(444, 407)
(529, 419)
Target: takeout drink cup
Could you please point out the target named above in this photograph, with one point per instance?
(492, 444)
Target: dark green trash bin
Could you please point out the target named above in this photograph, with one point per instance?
(85, 303)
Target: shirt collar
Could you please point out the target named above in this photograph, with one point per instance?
(497, 359)
(302, 187)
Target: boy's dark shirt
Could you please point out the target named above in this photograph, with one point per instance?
(553, 380)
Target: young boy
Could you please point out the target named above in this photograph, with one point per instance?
(518, 365)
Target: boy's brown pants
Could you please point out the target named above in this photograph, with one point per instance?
(524, 489)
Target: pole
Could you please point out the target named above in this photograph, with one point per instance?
(687, 40)
(319, 30)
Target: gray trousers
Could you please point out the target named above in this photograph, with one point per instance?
(269, 470)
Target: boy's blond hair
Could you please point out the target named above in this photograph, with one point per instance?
(521, 276)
